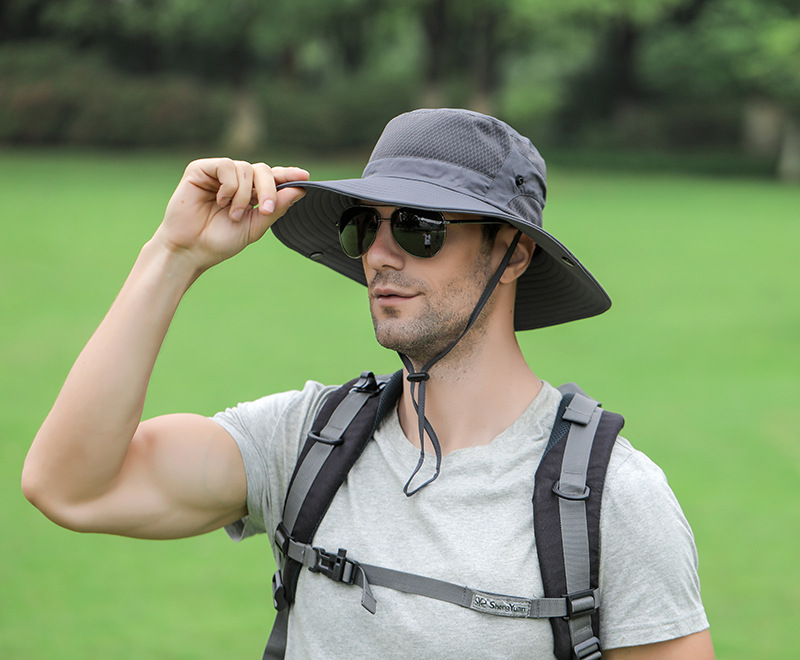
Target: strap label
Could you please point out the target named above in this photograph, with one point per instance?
(500, 605)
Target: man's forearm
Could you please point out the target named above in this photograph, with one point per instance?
(82, 444)
(92, 465)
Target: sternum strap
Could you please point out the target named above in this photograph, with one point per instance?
(341, 569)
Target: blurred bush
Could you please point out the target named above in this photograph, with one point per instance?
(342, 113)
(53, 94)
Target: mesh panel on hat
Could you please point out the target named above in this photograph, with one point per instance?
(478, 144)
(528, 207)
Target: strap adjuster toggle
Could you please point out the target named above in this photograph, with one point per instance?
(580, 602)
(279, 599)
(588, 650)
(367, 383)
(335, 566)
(573, 494)
(282, 539)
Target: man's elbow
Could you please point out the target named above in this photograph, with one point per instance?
(39, 491)
(32, 484)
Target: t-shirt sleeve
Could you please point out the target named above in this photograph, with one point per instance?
(269, 433)
(649, 586)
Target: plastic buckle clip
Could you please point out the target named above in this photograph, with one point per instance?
(366, 383)
(580, 602)
(278, 592)
(588, 650)
(335, 566)
(282, 538)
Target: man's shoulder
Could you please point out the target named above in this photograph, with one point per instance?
(278, 420)
(311, 396)
(630, 465)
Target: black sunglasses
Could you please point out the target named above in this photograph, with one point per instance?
(419, 232)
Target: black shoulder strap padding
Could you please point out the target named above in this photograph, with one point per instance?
(334, 470)
(546, 518)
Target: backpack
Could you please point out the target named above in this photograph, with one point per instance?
(566, 517)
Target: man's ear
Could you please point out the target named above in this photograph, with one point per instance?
(522, 256)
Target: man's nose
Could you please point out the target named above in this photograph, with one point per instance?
(384, 251)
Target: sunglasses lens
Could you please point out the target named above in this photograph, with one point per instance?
(357, 228)
(420, 233)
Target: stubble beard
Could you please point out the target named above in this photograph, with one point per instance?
(441, 319)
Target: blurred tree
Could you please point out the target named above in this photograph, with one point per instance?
(19, 20)
(468, 44)
(608, 89)
(744, 54)
(212, 40)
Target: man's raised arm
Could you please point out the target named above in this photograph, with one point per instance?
(94, 466)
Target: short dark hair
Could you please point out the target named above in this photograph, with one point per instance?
(490, 232)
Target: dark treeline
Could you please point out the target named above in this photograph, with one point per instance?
(688, 75)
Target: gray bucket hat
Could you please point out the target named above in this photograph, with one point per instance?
(455, 161)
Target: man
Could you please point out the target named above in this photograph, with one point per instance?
(444, 228)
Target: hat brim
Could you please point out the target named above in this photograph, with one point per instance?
(556, 287)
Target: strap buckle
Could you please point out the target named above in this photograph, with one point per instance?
(588, 650)
(580, 602)
(335, 566)
(279, 599)
(367, 383)
(282, 539)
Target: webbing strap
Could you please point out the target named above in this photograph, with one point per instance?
(276, 646)
(320, 446)
(327, 439)
(571, 488)
(307, 471)
(341, 569)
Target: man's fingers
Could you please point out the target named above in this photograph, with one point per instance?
(220, 173)
(288, 196)
(267, 181)
(242, 186)
(264, 184)
(241, 202)
(286, 174)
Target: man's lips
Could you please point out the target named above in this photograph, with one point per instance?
(390, 296)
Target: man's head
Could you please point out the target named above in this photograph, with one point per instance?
(459, 162)
(426, 271)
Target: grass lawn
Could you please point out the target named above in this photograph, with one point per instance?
(700, 353)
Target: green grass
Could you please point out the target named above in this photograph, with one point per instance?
(700, 352)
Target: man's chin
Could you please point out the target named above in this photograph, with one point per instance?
(387, 336)
(404, 340)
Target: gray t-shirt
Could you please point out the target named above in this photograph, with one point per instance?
(473, 526)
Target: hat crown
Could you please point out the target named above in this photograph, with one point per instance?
(467, 151)
(458, 137)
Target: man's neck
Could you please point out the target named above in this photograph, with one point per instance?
(472, 399)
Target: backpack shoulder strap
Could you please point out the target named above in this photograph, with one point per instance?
(337, 438)
(566, 517)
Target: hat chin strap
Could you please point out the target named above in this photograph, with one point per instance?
(421, 377)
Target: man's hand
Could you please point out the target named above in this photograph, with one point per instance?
(221, 206)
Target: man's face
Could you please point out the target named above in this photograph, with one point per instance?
(420, 306)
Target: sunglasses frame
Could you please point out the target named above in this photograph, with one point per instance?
(393, 220)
